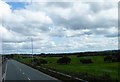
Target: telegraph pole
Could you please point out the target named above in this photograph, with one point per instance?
(32, 45)
(2, 37)
(32, 50)
(17, 49)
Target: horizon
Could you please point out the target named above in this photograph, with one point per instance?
(58, 53)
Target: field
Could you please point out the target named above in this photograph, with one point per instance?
(97, 68)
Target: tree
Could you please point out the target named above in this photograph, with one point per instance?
(64, 60)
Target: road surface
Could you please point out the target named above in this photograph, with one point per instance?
(18, 71)
(1, 68)
(0, 71)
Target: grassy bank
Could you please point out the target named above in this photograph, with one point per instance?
(75, 68)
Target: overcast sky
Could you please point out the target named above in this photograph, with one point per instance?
(58, 26)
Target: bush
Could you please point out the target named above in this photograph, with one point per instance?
(85, 61)
(64, 60)
(106, 77)
(35, 59)
(107, 58)
(114, 60)
(40, 61)
(43, 61)
(118, 58)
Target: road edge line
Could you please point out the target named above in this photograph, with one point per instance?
(4, 75)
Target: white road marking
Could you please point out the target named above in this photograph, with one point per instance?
(6, 69)
(4, 75)
(28, 78)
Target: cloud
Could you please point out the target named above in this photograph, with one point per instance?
(60, 4)
(60, 27)
(97, 7)
(82, 17)
(25, 20)
(4, 9)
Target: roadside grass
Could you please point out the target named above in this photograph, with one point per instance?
(97, 68)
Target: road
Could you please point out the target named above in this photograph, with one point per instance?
(0, 68)
(0, 71)
(18, 71)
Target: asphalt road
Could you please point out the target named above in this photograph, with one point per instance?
(18, 71)
(0, 71)
(0, 68)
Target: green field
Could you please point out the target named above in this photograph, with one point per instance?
(97, 68)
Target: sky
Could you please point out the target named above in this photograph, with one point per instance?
(58, 27)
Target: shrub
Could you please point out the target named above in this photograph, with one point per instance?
(43, 61)
(35, 59)
(118, 58)
(85, 61)
(40, 61)
(79, 55)
(64, 60)
(107, 58)
(114, 60)
(106, 77)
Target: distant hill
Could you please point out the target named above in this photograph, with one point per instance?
(93, 53)
(108, 52)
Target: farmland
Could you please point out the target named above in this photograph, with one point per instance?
(97, 68)
(85, 65)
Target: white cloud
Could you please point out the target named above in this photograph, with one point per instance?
(33, 16)
(113, 14)
(58, 27)
(4, 9)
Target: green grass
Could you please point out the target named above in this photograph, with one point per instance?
(98, 67)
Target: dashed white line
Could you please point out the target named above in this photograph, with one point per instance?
(6, 69)
(4, 75)
(28, 78)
